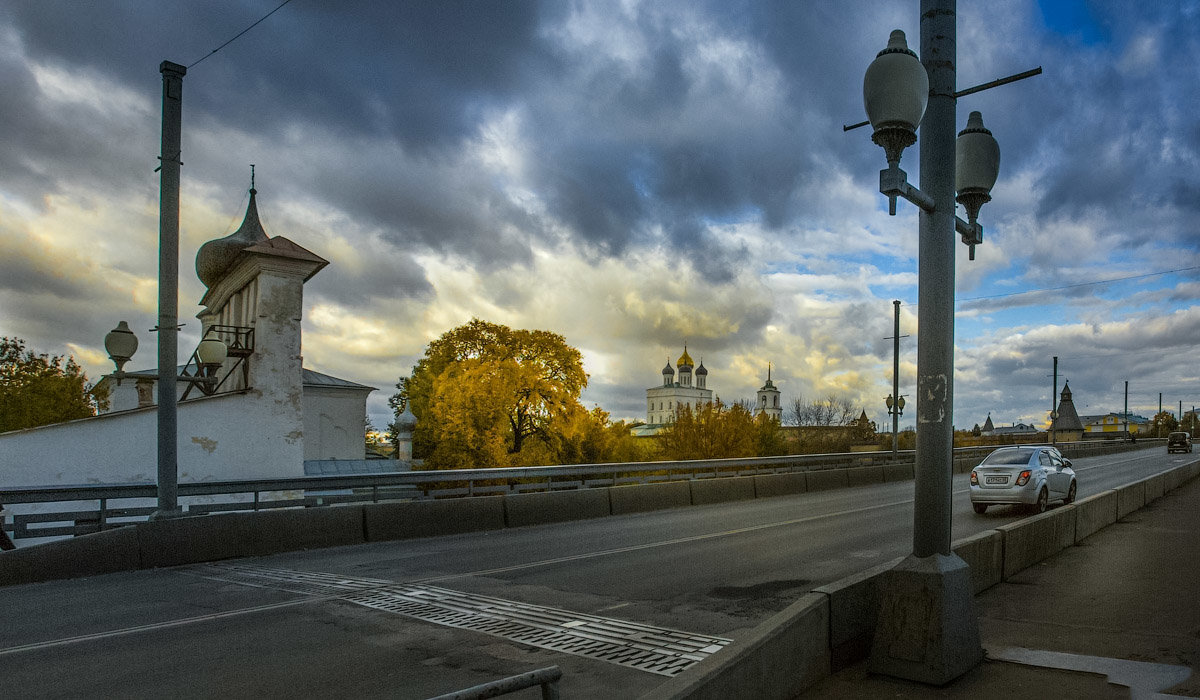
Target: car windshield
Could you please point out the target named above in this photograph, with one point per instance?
(1009, 457)
(1177, 436)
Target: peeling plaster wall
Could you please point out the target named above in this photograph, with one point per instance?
(334, 423)
(233, 436)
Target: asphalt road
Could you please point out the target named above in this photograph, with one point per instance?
(713, 571)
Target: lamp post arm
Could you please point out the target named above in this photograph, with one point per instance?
(893, 182)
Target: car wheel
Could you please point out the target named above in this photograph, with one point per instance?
(1042, 501)
(980, 508)
(1070, 494)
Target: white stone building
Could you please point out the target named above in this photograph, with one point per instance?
(664, 402)
(268, 417)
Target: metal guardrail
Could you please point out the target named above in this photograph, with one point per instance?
(546, 677)
(123, 504)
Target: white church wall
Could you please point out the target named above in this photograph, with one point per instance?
(232, 436)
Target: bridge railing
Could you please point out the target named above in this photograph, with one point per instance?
(56, 511)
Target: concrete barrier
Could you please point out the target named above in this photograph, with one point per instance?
(722, 490)
(102, 552)
(1094, 513)
(778, 659)
(767, 485)
(862, 476)
(853, 613)
(638, 498)
(898, 472)
(177, 541)
(405, 520)
(1028, 541)
(984, 553)
(827, 479)
(1130, 497)
(1154, 488)
(555, 506)
(292, 529)
(1174, 478)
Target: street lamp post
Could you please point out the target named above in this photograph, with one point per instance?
(895, 405)
(168, 288)
(927, 629)
(895, 408)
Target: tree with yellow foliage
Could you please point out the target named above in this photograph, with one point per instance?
(484, 391)
(717, 431)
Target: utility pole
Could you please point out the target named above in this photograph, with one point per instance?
(168, 289)
(1054, 402)
(895, 401)
(1127, 409)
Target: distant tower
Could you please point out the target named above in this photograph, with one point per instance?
(1067, 425)
(701, 375)
(989, 428)
(768, 399)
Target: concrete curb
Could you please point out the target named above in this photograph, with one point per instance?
(409, 519)
(1095, 513)
(827, 479)
(639, 498)
(722, 490)
(768, 485)
(1028, 541)
(555, 506)
(107, 552)
(794, 639)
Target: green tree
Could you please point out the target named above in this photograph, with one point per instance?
(482, 391)
(1163, 423)
(39, 389)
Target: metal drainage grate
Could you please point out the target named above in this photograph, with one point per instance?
(305, 582)
(657, 650)
(654, 649)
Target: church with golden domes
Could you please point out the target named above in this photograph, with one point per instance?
(678, 391)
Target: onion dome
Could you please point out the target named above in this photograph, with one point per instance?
(668, 370)
(406, 421)
(215, 257)
(685, 360)
(701, 370)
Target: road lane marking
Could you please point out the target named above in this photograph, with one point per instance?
(158, 625)
(660, 543)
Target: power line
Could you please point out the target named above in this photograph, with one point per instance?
(1084, 284)
(239, 34)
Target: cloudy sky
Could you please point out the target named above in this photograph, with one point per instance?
(631, 174)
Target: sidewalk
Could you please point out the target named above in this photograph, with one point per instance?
(1124, 603)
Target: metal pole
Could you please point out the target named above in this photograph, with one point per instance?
(1054, 402)
(935, 349)
(168, 287)
(895, 409)
(1126, 409)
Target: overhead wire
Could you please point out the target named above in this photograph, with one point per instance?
(239, 34)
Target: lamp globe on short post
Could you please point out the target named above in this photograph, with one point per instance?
(211, 354)
(120, 344)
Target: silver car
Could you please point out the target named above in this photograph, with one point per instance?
(1024, 475)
